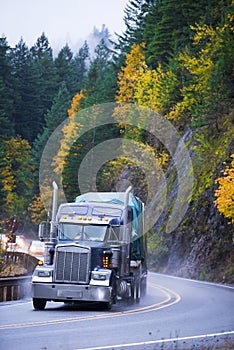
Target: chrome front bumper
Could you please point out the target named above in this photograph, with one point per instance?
(66, 292)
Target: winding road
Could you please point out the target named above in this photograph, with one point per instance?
(175, 314)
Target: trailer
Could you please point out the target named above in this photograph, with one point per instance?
(96, 251)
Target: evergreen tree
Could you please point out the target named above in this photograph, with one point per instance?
(45, 82)
(134, 25)
(24, 91)
(6, 91)
(57, 114)
(168, 27)
(41, 47)
(134, 21)
(96, 37)
(81, 64)
(100, 85)
(65, 69)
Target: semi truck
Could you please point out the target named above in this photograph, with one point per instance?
(95, 251)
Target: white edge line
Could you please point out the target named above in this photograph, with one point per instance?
(158, 341)
(195, 281)
(13, 303)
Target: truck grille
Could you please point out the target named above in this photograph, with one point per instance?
(72, 264)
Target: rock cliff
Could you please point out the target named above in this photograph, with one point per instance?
(201, 247)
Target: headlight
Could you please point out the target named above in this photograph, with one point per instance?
(44, 273)
(98, 276)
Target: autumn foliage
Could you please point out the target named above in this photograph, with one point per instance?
(225, 192)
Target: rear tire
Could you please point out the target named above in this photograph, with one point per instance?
(39, 304)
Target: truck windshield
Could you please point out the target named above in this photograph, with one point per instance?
(74, 232)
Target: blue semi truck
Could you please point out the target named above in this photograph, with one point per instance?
(95, 251)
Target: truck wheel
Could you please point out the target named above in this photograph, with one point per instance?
(39, 304)
(106, 305)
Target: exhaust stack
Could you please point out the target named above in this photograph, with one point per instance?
(126, 200)
(53, 228)
(50, 245)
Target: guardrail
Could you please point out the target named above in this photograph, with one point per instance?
(17, 287)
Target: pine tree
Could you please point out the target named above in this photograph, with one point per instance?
(134, 25)
(45, 82)
(57, 114)
(168, 27)
(24, 92)
(65, 69)
(6, 91)
(41, 47)
(80, 65)
(100, 84)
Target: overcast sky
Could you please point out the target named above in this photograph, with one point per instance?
(63, 21)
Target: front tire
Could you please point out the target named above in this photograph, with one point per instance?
(39, 304)
(106, 306)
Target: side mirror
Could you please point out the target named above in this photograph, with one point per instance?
(43, 230)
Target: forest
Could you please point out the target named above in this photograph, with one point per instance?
(174, 58)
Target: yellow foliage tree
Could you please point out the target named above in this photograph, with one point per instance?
(143, 86)
(69, 131)
(225, 192)
(17, 176)
(202, 88)
(131, 73)
(37, 210)
(154, 89)
(140, 85)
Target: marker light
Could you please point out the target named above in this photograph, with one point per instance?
(40, 263)
(106, 259)
(105, 262)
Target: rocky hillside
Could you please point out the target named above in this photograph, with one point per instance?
(201, 247)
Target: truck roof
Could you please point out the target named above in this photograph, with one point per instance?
(94, 205)
(108, 198)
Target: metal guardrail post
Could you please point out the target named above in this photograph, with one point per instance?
(15, 288)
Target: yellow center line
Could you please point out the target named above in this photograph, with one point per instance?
(170, 299)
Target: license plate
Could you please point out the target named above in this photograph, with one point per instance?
(74, 294)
